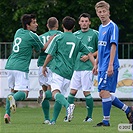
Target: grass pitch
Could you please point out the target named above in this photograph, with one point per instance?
(29, 120)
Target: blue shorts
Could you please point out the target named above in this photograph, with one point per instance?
(107, 83)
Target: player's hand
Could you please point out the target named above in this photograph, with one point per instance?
(51, 37)
(84, 58)
(110, 71)
(44, 71)
(94, 70)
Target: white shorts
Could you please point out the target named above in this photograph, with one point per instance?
(82, 80)
(59, 83)
(44, 80)
(18, 80)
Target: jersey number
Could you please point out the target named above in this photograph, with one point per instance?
(72, 49)
(45, 39)
(17, 41)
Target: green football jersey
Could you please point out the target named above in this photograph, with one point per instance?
(65, 48)
(44, 38)
(90, 39)
(24, 43)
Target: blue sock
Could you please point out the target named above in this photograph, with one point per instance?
(117, 103)
(106, 105)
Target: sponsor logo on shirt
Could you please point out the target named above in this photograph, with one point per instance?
(102, 43)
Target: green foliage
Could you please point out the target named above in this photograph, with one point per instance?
(12, 10)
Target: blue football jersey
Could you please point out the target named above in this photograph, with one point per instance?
(108, 34)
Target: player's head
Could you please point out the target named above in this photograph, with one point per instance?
(102, 4)
(84, 21)
(52, 23)
(102, 11)
(85, 15)
(29, 22)
(68, 23)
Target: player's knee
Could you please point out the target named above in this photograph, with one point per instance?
(104, 94)
(86, 93)
(73, 92)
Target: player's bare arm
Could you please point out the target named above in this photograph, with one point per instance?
(95, 68)
(84, 58)
(48, 59)
(112, 55)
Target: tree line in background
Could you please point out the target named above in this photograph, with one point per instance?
(12, 10)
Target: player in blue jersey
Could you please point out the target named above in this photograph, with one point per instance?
(17, 66)
(64, 48)
(52, 25)
(108, 64)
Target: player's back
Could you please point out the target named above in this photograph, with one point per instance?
(24, 42)
(65, 48)
(44, 38)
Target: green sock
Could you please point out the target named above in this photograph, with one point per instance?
(61, 99)
(89, 105)
(57, 109)
(19, 96)
(7, 108)
(48, 95)
(45, 108)
(70, 98)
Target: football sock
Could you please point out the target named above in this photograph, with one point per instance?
(70, 98)
(45, 108)
(106, 105)
(117, 103)
(48, 94)
(7, 108)
(56, 112)
(61, 99)
(89, 105)
(20, 96)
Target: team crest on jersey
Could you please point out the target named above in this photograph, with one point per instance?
(89, 38)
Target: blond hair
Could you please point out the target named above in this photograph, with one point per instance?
(102, 4)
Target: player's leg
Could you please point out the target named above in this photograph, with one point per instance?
(11, 83)
(7, 110)
(46, 105)
(75, 84)
(86, 82)
(56, 112)
(104, 89)
(45, 108)
(45, 93)
(59, 85)
(22, 87)
(89, 107)
(119, 104)
(48, 94)
(42, 81)
(71, 96)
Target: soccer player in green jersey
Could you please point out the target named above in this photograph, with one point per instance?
(25, 41)
(52, 25)
(82, 78)
(64, 48)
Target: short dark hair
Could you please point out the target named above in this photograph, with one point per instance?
(52, 21)
(68, 22)
(26, 19)
(85, 15)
